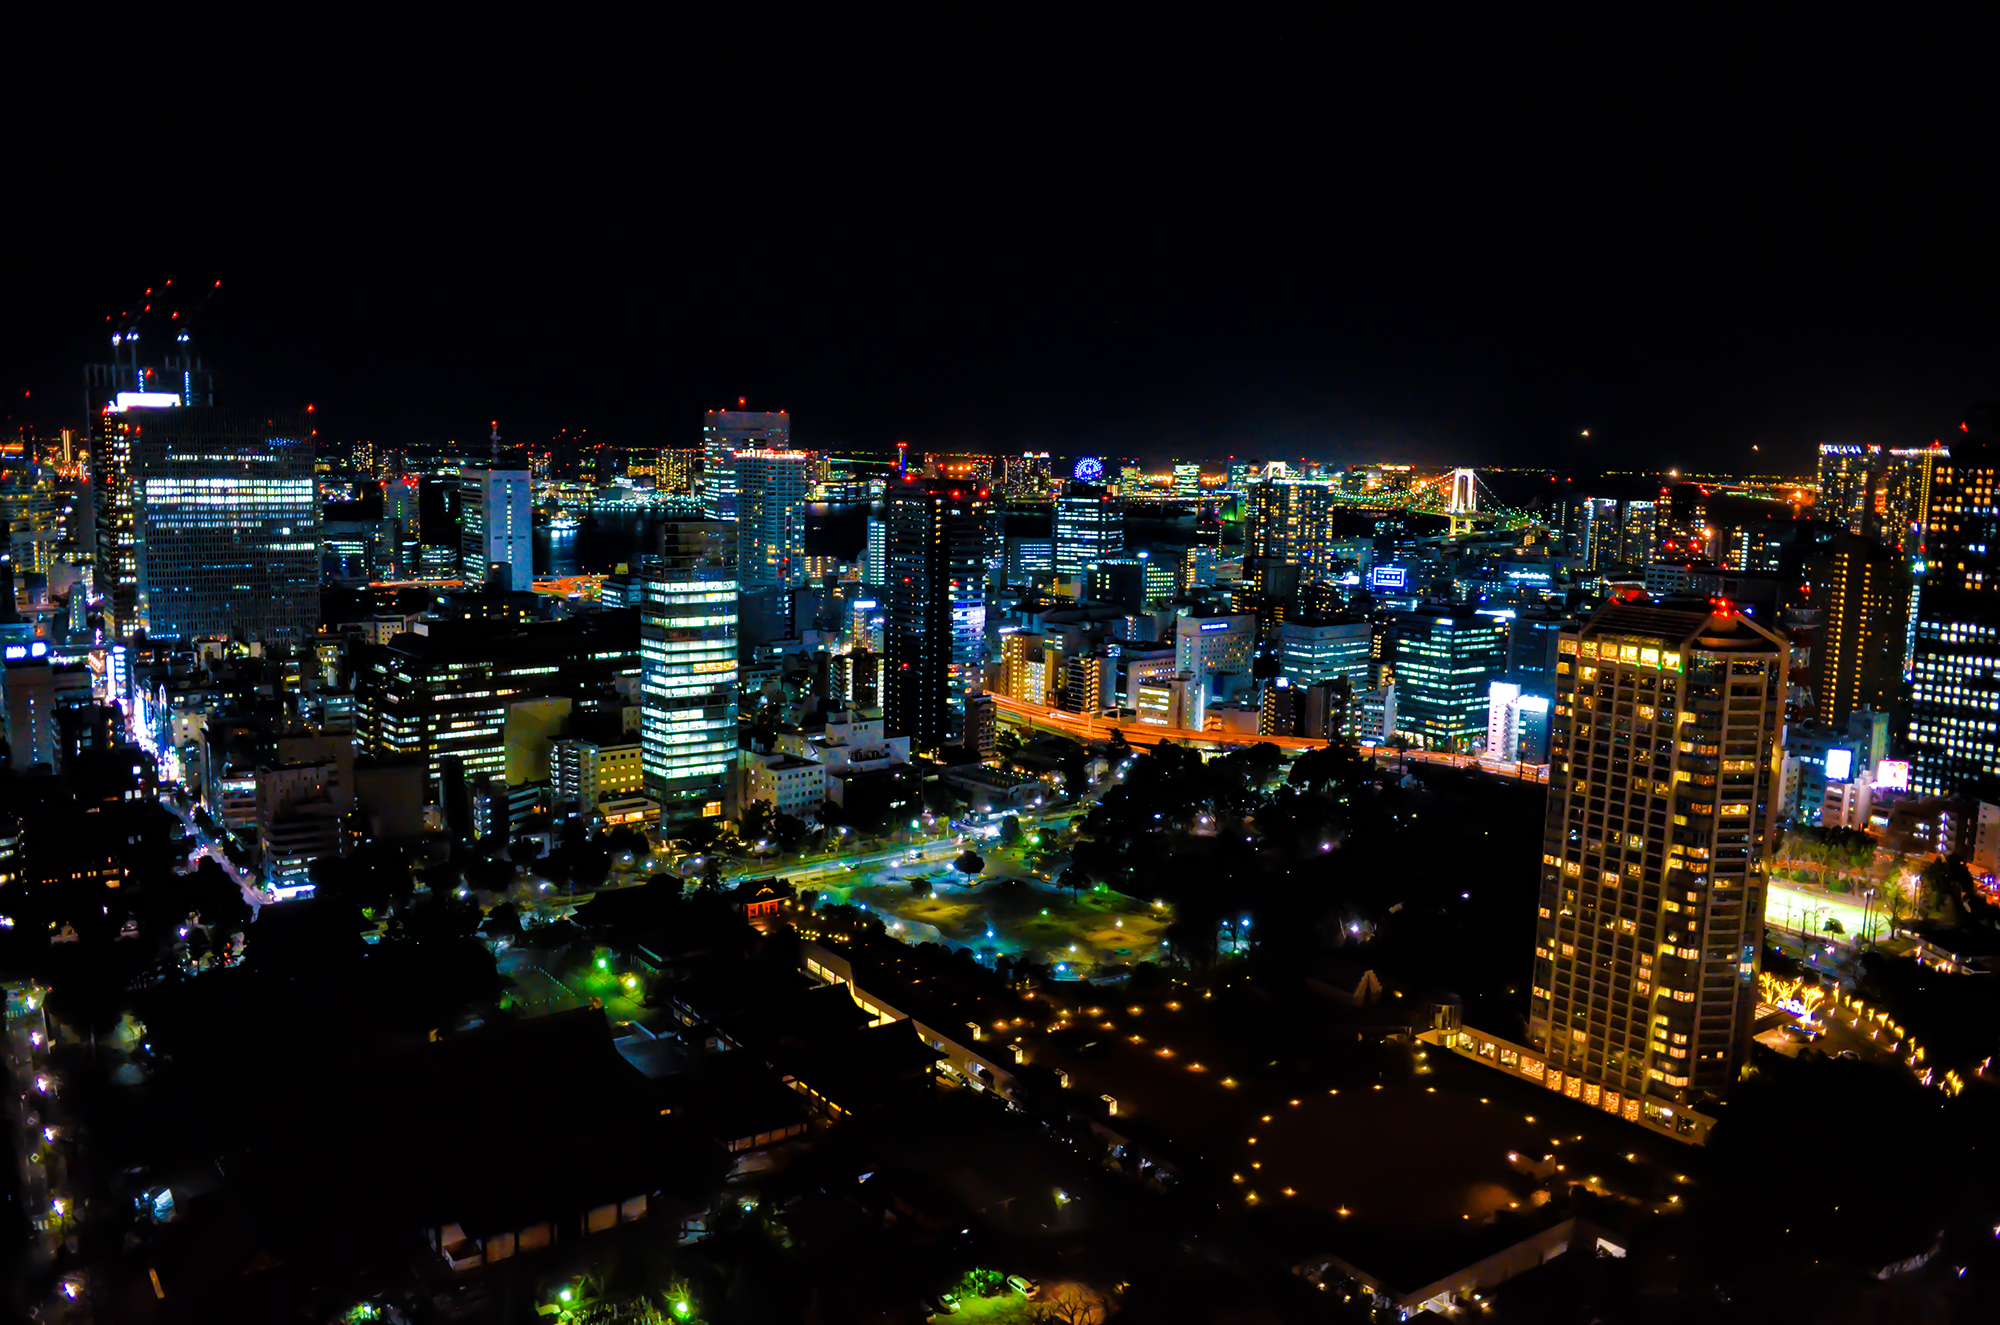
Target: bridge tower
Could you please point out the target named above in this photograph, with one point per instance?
(1464, 501)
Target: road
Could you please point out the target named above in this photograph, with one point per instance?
(43, 1137)
(243, 879)
(1084, 727)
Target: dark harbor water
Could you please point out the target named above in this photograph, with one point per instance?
(607, 540)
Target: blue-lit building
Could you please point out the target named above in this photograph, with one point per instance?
(1955, 666)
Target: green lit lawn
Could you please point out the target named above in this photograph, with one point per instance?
(1088, 930)
(1007, 1309)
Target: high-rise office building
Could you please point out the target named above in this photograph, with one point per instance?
(1292, 523)
(939, 537)
(1088, 529)
(772, 489)
(1661, 803)
(1314, 651)
(1955, 685)
(225, 522)
(724, 432)
(688, 669)
(1445, 660)
(496, 523)
(447, 694)
(1187, 480)
(121, 399)
(1862, 591)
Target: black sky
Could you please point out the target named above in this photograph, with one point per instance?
(1252, 239)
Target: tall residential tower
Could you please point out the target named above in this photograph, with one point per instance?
(1662, 780)
(938, 545)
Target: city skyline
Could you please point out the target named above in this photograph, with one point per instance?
(1469, 274)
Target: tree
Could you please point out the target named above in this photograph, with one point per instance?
(920, 885)
(503, 921)
(1010, 831)
(1072, 1304)
(756, 823)
(1073, 878)
(968, 864)
(790, 832)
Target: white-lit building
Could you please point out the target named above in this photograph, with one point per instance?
(1310, 652)
(792, 783)
(688, 670)
(1517, 724)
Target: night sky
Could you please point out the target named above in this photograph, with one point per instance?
(1275, 243)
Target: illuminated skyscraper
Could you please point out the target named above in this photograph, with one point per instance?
(496, 523)
(1446, 660)
(120, 399)
(1664, 756)
(1087, 529)
(1847, 477)
(1903, 496)
(226, 526)
(939, 546)
(772, 488)
(1862, 591)
(1955, 678)
(724, 433)
(1292, 521)
(687, 669)
(1187, 480)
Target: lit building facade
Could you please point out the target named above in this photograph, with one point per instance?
(1847, 485)
(447, 693)
(1862, 590)
(1663, 776)
(226, 524)
(584, 772)
(121, 399)
(1088, 529)
(939, 538)
(724, 432)
(496, 523)
(1309, 652)
(1955, 666)
(688, 669)
(1292, 522)
(1445, 661)
(772, 489)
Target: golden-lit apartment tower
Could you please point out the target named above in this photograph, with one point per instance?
(1664, 762)
(1862, 590)
(1292, 521)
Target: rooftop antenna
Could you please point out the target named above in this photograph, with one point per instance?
(496, 439)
